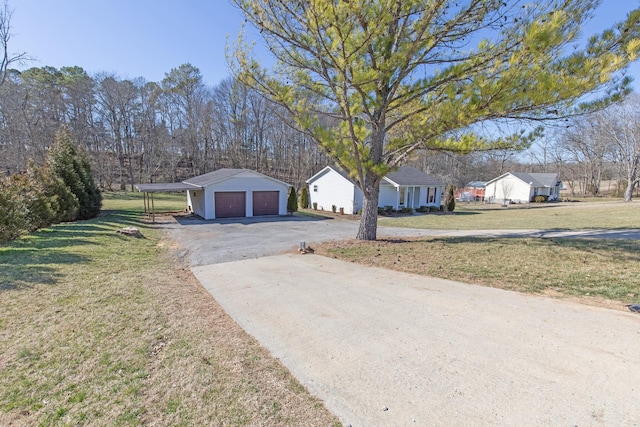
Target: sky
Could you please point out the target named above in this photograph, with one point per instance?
(148, 38)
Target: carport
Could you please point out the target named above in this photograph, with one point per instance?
(170, 187)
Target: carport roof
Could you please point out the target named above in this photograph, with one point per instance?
(166, 187)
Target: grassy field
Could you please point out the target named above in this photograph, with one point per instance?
(480, 216)
(593, 271)
(97, 328)
(600, 272)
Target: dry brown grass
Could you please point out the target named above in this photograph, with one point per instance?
(605, 214)
(99, 329)
(594, 271)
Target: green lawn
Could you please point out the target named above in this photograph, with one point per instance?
(134, 202)
(97, 328)
(579, 215)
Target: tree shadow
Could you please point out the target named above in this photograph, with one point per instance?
(34, 259)
(464, 213)
(26, 268)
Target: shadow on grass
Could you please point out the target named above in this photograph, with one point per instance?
(466, 213)
(498, 207)
(36, 258)
(30, 272)
(25, 264)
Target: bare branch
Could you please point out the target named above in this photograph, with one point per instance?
(5, 36)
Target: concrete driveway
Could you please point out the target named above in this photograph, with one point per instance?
(384, 348)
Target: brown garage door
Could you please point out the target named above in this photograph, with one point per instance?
(230, 204)
(265, 203)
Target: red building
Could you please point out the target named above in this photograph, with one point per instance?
(472, 192)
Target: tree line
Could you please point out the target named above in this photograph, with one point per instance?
(138, 131)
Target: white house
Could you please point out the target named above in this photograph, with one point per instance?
(520, 187)
(405, 187)
(232, 193)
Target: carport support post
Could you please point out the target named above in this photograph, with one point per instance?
(153, 210)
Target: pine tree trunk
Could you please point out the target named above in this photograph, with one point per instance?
(369, 219)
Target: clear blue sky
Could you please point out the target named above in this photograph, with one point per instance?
(145, 38)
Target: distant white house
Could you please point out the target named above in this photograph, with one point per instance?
(405, 187)
(521, 187)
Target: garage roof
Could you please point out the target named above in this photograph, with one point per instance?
(223, 174)
(215, 176)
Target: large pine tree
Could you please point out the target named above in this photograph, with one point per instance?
(395, 76)
(71, 164)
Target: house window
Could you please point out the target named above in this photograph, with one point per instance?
(315, 188)
(432, 196)
(402, 191)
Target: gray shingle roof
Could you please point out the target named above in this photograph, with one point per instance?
(407, 175)
(476, 184)
(215, 176)
(538, 179)
(222, 174)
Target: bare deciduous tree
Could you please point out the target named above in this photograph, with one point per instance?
(583, 145)
(8, 58)
(619, 128)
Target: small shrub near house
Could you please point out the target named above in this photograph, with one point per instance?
(304, 197)
(450, 201)
(292, 201)
(540, 199)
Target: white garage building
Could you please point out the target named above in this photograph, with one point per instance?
(230, 193)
